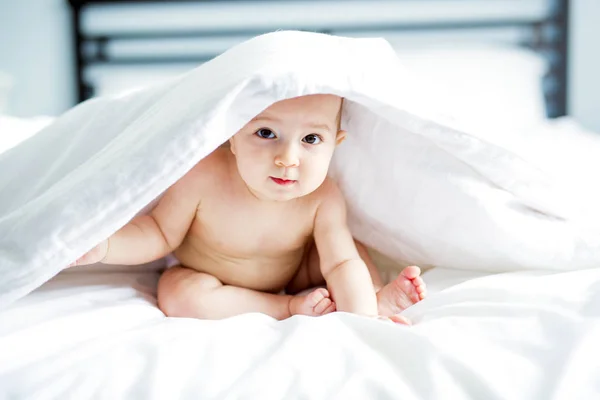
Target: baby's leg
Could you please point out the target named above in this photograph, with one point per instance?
(309, 274)
(407, 289)
(184, 292)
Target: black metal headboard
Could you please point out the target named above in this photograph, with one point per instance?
(548, 35)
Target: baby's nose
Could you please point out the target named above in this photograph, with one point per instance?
(288, 157)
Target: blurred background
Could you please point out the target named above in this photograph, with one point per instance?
(543, 53)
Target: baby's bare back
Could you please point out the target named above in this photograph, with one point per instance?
(243, 241)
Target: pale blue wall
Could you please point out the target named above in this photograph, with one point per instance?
(584, 94)
(35, 51)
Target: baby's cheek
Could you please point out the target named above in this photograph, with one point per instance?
(245, 168)
(317, 174)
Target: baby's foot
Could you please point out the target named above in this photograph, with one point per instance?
(314, 304)
(407, 289)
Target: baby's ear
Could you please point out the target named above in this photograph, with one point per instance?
(340, 137)
(231, 145)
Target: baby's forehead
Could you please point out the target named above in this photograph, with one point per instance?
(321, 104)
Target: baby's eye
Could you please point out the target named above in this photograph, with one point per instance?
(312, 139)
(265, 133)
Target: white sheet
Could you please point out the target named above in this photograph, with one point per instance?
(16, 130)
(418, 189)
(527, 335)
(569, 153)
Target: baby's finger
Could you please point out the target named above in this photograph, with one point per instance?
(74, 263)
(329, 309)
(83, 260)
(322, 306)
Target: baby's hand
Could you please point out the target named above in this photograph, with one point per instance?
(93, 256)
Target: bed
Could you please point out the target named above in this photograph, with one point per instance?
(96, 332)
(121, 44)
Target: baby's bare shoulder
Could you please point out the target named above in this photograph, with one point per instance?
(329, 193)
(331, 208)
(215, 160)
(206, 168)
(197, 181)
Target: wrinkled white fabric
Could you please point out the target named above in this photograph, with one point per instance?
(526, 335)
(418, 189)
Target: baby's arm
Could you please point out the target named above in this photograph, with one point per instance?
(346, 274)
(149, 237)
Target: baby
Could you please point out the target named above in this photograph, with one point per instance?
(260, 217)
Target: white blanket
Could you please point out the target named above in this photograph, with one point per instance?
(527, 335)
(418, 190)
(15, 130)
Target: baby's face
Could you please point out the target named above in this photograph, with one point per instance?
(285, 151)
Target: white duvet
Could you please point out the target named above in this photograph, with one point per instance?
(419, 190)
(526, 335)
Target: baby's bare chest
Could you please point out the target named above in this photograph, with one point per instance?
(244, 229)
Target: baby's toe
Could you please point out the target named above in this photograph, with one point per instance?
(420, 288)
(411, 272)
(418, 281)
(415, 297)
(399, 319)
(406, 286)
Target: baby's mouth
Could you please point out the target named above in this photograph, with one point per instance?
(283, 182)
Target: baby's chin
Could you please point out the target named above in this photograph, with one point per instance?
(283, 194)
